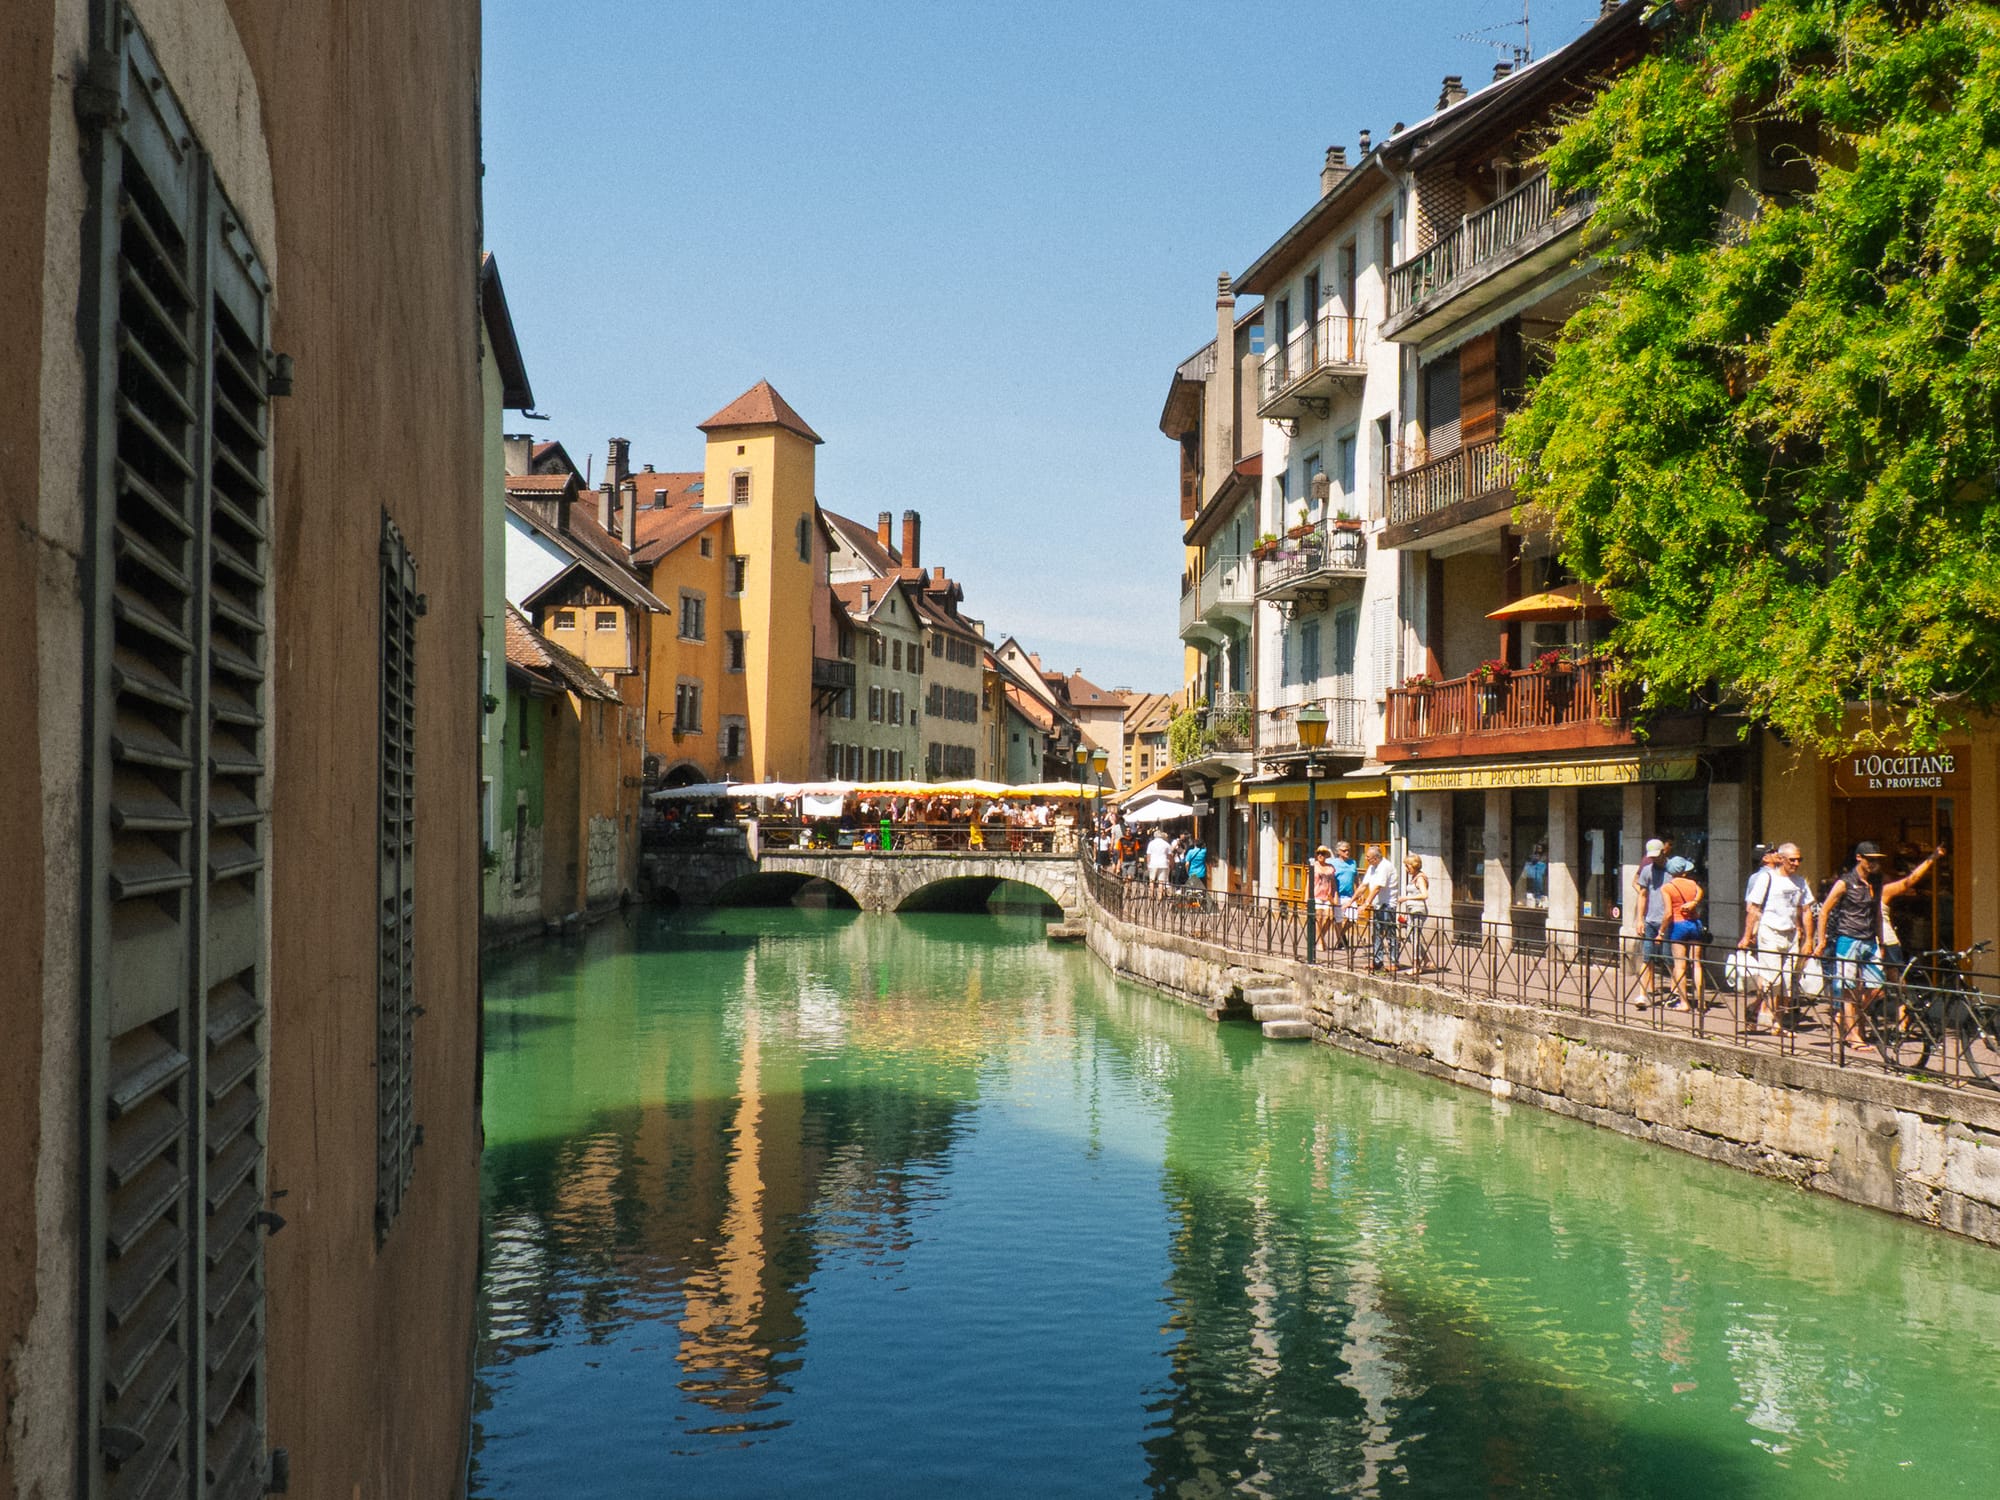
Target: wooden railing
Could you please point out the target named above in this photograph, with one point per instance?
(1481, 238)
(1532, 698)
(1474, 470)
(1329, 339)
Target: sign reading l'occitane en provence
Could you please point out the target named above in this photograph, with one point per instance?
(1944, 770)
(1615, 770)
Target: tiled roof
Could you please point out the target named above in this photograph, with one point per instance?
(534, 653)
(1086, 694)
(884, 560)
(662, 531)
(595, 552)
(760, 406)
(1029, 707)
(1147, 713)
(539, 483)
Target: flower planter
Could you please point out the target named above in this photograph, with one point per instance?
(1493, 698)
(1299, 531)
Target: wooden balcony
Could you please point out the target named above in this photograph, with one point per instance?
(1299, 379)
(1534, 709)
(1499, 249)
(1464, 486)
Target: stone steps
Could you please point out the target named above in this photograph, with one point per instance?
(1288, 1031)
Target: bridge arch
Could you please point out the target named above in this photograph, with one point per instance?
(968, 893)
(778, 888)
(919, 881)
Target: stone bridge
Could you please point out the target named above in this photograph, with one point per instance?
(913, 881)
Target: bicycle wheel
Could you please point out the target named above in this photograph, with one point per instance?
(1978, 1027)
(1898, 1023)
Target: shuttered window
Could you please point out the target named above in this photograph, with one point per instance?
(397, 1132)
(176, 312)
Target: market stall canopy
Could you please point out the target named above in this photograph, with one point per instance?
(699, 789)
(764, 790)
(1163, 811)
(1049, 789)
(1568, 601)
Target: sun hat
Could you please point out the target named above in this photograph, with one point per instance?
(1322, 849)
(1654, 847)
(1679, 866)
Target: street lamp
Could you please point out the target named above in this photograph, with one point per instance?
(1311, 722)
(1086, 837)
(1098, 761)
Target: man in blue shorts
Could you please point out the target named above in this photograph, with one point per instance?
(1651, 888)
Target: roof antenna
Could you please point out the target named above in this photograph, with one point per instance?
(1519, 53)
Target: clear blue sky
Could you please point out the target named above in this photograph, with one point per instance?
(968, 243)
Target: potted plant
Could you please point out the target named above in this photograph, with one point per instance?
(1491, 678)
(1347, 520)
(1265, 546)
(1555, 661)
(1304, 528)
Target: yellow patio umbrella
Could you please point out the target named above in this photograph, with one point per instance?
(1568, 601)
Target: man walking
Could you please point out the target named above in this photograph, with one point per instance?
(1378, 899)
(1651, 889)
(1159, 855)
(1777, 921)
(1346, 874)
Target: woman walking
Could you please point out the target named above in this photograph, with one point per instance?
(1413, 909)
(1684, 933)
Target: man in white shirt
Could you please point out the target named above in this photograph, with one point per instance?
(1159, 854)
(1777, 925)
(1377, 897)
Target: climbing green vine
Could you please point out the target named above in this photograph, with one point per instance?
(1772, 437)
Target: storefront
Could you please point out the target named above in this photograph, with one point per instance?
(1533, 845)
(1350, 810)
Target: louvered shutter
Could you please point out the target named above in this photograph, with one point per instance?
(175, 1170)
(396, 1129)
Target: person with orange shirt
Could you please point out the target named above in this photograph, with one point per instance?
(1683, 931)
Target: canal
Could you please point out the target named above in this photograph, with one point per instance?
(811, 1202)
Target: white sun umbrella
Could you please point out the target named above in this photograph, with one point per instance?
(699, 789)
(764, 791)
(1163, 811)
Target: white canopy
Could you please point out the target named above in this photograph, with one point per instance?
(699, 789)
(1163, 811)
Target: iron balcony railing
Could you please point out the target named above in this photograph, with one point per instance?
(1330, 342)
(1482, 240)
(827, 673)
(1416, 495)
(1529, 699)
(1346, 727)
(1931, 1024)
(1231, 723)
(1327, 551)
(1225, 581)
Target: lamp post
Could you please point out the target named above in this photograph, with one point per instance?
(1098, 761)
(1086, 834)
(1311, 722)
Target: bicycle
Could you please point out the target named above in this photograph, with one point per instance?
(1929, 999)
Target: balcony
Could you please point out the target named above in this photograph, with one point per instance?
(1464, 486)
(1533, 709)
(1346, 729)
(1311, 565)
(1300, 378)
(829, 680)
(1499, 249)
(1231, 725)
(1223, 592)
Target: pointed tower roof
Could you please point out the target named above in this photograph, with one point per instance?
(760, 406)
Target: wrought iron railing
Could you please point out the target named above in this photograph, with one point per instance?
(1528, 699)
(1346, 727)
(860, 837)
(1328, 341)
(1481, 239)
(1327, 550)
(1931, 1027)
(1464, 474)
(1226, 580)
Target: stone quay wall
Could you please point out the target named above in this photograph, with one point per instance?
(1924, 1151)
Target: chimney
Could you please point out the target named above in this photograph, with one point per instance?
(913, 529)
(518, 452)
(629, 494)
(937, 573)
(1607, 6)
(885, 527)
(1334, 169)
(1452, 92)
(867, 598)
(607, 497)
(1501, 70)
(617, 463)
(1219, 421)
(1365, 139)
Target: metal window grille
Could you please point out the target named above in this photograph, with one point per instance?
(175, 310)
(396, 1131)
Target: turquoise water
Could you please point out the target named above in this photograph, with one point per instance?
(817, 1203)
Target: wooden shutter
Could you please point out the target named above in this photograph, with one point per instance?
(396, 1129)
(176, 310)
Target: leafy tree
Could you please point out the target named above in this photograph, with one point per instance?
(1772, 437)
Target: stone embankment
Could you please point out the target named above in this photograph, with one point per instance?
(1922, 1150)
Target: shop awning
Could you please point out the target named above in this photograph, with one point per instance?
(1603, 770)
(1333, 789)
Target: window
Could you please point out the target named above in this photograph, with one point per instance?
(875, 705)
(937, 643)
(1309, 651)
(733, 658)
(874, 764)
(739, 487)
(846, 642)
(804, 535)
(896, 655)
(734, 575)
(687, 706)
(177, 998)
(732, 733)
(694, 616)
(1386, 633)
(844, 705)
(605, 619)
(1343, 465)
(875, 652)
(565, 619)
(896, 707)
(708, 546)
(895, 767)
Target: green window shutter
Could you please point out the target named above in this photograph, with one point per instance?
(176, 309)
(397, 1133)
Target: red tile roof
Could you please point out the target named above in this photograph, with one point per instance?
(541, 658)
(540, 483)
(662, 531)
(760, 406)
